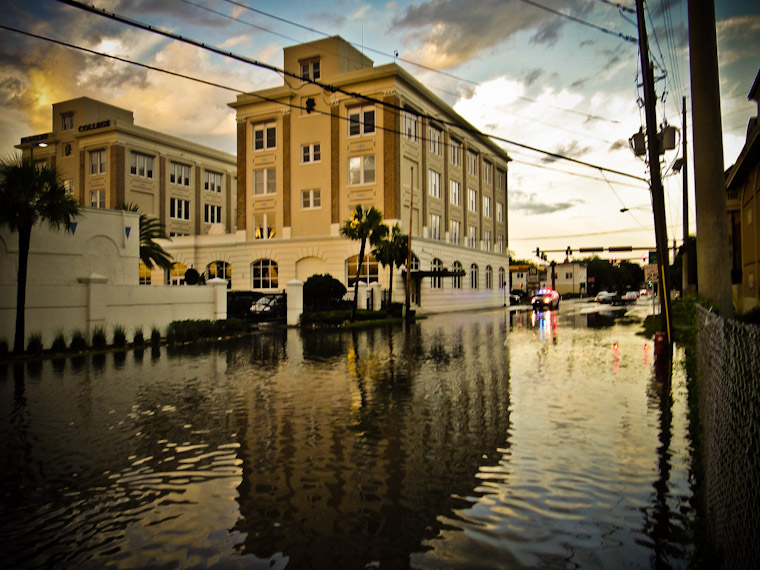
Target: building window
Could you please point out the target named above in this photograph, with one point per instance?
(435, 226)
(68, 184)
(487, 240)
(212, 214)
(176, 275)
(456, 232)
(219, 270)
(434, 183)
(472, 163)
(263, 227)
(97, 198)
(368, 273)
(434, 140)
(67, 121)
(361, 121)
(409, 125)
(179, 209)
(489, 277)
(455, 192)
(455, 152)
(501, 179)
(487, 206)
(436, 281)
(264, 181)
(264, 136)
(361, 170)
(502, 278)
(473, 276)
(487, 172)
(311, 153)
(472, 200)
(178, 234)
(456, 281)
(499, 212)
(311, 199)
(500, 244)
(212, 181)
(472, 236)
(310, 70)
(179, 174)
(144, 274)
(141, 165)
(264, 274)
(98, 161)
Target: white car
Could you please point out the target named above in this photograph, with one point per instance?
(631, 296)
(604, 297)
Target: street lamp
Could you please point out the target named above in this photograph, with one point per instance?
(31, 150)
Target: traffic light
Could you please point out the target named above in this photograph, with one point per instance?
(538, 252)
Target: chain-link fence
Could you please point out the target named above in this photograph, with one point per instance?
(728, 356)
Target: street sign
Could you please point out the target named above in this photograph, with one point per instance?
(651, 273)
(653, 257)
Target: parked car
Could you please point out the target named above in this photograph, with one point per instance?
(630, 296)
(514, 299)
(269, 307)
(545, 299)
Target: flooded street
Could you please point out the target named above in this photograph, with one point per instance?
(479, 440)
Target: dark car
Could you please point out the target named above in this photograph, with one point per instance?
(545, 300)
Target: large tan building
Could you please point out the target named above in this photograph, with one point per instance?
(106, 161)
(373, 136)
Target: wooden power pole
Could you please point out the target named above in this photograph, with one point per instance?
(658, 198)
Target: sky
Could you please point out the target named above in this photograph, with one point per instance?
(560, 76)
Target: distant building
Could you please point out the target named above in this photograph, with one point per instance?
(571, 278)
(307, 155)
(743, 187)
(106, 161)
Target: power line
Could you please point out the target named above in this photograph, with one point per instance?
(619, 6)
(579, 21)
(466, 127)
(586, 234)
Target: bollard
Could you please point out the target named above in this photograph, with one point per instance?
(660, 344)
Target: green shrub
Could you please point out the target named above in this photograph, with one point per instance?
(138, 338)
(34, 345)
(78, 341)
(155, 336)
(119, 336)
(59, 342)
(322, 292)
(99, 337)
(193, 330)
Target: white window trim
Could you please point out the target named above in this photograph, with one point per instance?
(434, 183)
(315, 195)
(263, 128)
(266, 174)
(361, 114)
(362, 170)
(312, 149)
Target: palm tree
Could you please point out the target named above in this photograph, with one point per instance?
(392, 250)
(363, 225)
(29, 194)
(151, 254)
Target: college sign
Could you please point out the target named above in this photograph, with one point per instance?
(93, 126)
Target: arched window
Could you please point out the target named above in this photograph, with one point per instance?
(264, 274)
(220, 269)
(436, 281)
(502, 278)
(474, 276)
(368, 273)
(176, 275)
(456, 281)
(489, 277)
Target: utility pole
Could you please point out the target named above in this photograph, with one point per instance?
(685, 183)
(658, 198)
(713, 256)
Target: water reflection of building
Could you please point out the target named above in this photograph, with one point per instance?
(352, 458)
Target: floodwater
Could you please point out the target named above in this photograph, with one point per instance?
(479, 440)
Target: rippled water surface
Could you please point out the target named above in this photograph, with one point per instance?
(465, 441)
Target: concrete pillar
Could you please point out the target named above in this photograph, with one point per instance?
(220, 297)
(376, 296)
(361, 296)
(295, 302)
(96, 301)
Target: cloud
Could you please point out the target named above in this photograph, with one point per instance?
(572, 150)
(528, 202)
(452, 32)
